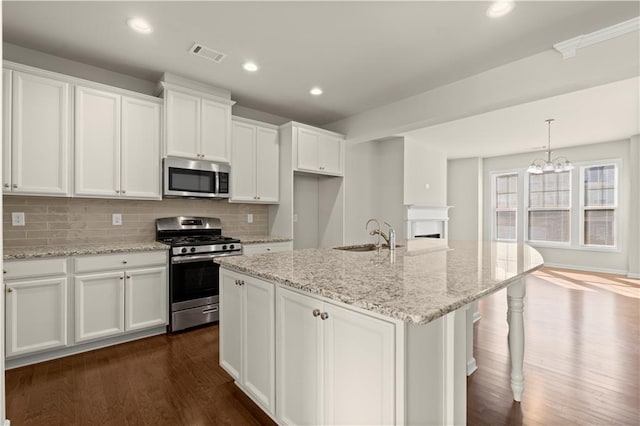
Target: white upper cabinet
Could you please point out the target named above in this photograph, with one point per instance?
(140, 149)
(117, 145)
(255, 162)
(6, 130)
(97, 144)
(198, 127)
(319, 152)
(37, 139)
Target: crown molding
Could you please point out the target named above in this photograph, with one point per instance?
(569, 48)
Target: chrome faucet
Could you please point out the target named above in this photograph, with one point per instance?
(390, 240)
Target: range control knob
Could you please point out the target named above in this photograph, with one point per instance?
(224, 247)
(231, 247)
(193, 249)
(184, 250)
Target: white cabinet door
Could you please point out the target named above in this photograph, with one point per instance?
(216, 132)
(40, 135)
(183, 125)
(258, 344)
(331, 154)
(230, 324)
(146, 295)
(97, 143)
(243, 166)
(6, 130)
(140, 160)
(36, 315)
(359, 365)
(299, 358)
(308, 154)
(267, 165)
(99, 305)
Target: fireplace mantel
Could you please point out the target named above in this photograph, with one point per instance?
(423, 221)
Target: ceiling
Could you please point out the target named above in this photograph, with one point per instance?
(598, 114)
(362, 54)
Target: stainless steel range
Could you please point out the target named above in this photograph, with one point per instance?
(193, 276)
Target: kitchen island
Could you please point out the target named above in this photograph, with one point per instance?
(328, 336)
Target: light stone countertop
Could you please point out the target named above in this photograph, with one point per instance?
(55, 251)
(259, 239)
(422, 283)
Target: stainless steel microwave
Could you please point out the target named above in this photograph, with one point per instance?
(194, 178)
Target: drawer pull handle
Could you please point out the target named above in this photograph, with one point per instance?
(208, 311)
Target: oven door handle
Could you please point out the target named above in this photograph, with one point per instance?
(194, 258)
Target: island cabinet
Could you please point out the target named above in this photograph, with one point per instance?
(36, 137)
(36, 305)
(119, 293)
(335, 366)
(198, 125)
(117, 145)
(319, 152)
(254, 162)
(247, 335)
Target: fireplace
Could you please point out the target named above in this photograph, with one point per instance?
(427, 222)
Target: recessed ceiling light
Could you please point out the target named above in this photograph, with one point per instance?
(250, 66)
(500, 8)
(139, 25)
(316, 91)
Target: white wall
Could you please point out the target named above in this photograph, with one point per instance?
(425, 174)
(464, 194)
(634, 228)
(305, 207)
(615, 262)
(389, 179)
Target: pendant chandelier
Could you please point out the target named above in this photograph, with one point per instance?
(556, 165)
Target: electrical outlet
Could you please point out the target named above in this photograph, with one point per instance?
(17, 219)
(250, 218)
(116, 219)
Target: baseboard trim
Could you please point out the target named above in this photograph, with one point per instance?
(471, 366)
(587, 268)
(21, 361)
(476, 317)
(7, 422)
(633, 275)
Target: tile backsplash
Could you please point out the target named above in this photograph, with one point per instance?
(52, 221)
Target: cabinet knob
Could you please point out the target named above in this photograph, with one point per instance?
(128, 277)
(6, 185)
(268, 249)
(241, 282)
(9, 290)
(117, 191)
(4, 271)
(122, 278)
(324, 316)
(316, 312)
(124, 191)
(15, 185)
(237, 282)
(124, 261)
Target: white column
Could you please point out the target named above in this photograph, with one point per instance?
(515, 299)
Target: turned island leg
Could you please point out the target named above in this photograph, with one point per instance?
(515, 298)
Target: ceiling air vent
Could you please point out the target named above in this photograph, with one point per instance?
(204, 52)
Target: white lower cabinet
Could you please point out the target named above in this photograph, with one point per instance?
(335, 366)
(36, 315)
(264, 248)
(109, 302)
(247, 335)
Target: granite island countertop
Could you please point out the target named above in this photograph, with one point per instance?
(71, 250)
(417, 285)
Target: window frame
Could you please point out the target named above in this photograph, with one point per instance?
(527, 209)
(616, 207)
(495, 209)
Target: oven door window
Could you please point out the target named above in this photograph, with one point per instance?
(194, 280)
(187, 180)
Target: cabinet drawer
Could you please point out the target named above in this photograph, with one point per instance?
(127, 260)
(19, 269)
(263, 248)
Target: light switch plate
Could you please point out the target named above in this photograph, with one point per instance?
(116, 219)
(17, 219)
(250, 218)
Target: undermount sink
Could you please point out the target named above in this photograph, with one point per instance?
(363, 247)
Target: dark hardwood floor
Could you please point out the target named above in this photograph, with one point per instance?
(581, 367)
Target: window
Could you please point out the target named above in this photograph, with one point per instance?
(549, 212)
(506, 206)
(599, 205)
